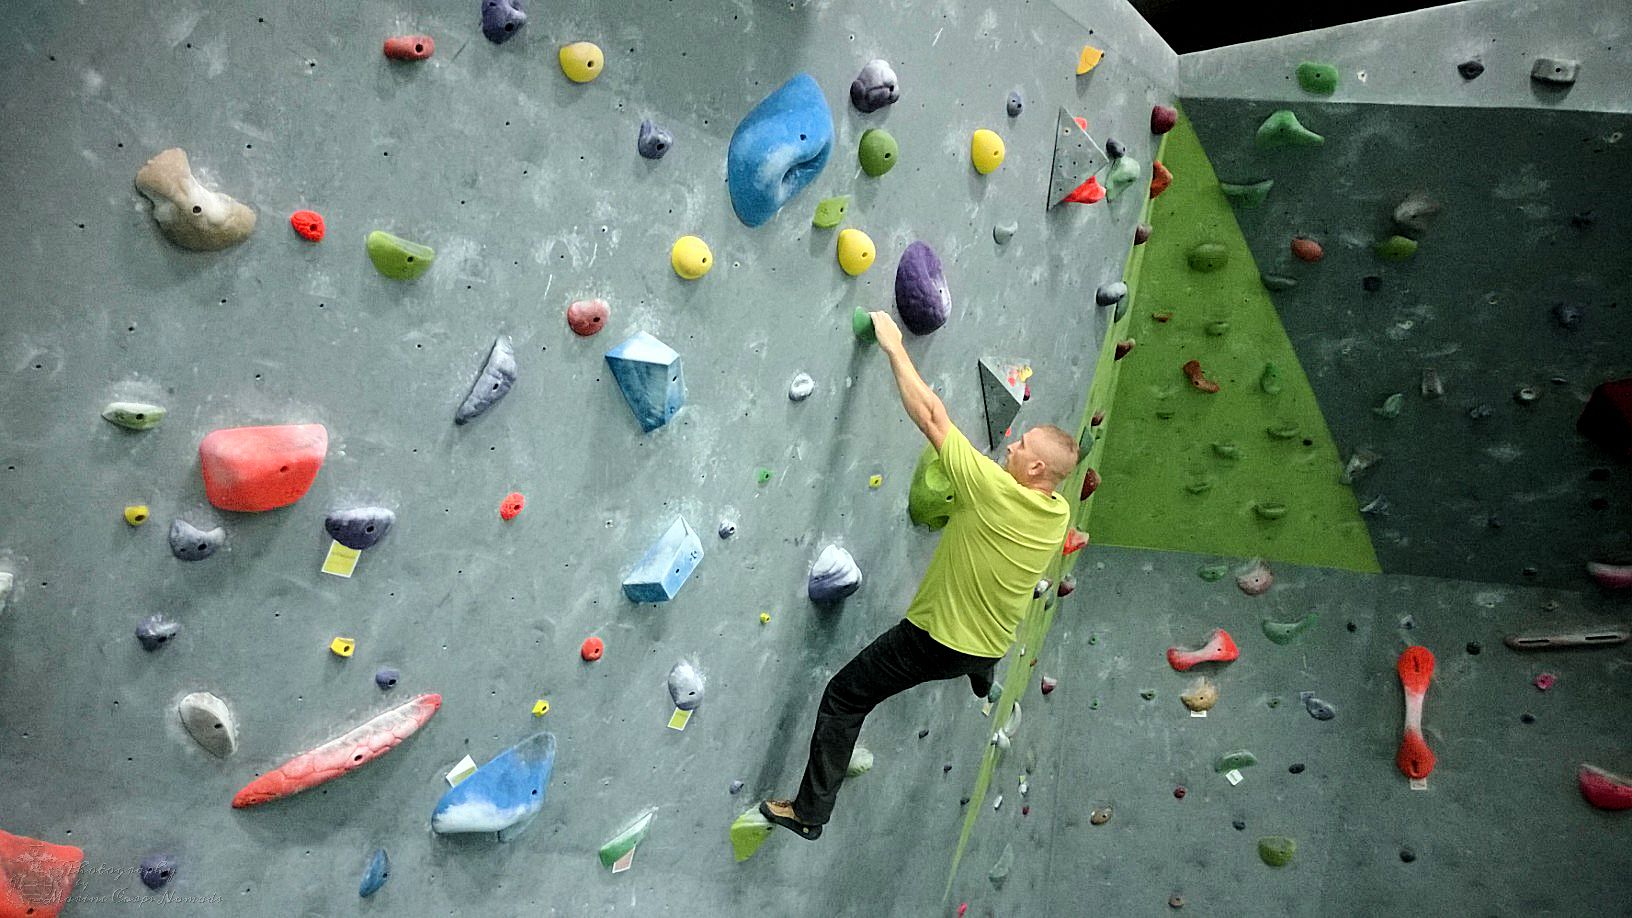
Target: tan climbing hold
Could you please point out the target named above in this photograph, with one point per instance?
(1100, 815)
(1201, 695)
(190, 215)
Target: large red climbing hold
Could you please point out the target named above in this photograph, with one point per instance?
(1220, 648)
(1604, 790)
(1162, 118)
(1198, 377)
(36, 877)
(592, 649)
(343, 754)
(1090, 483)
(1306, 249)
(308, 224)
(1074, 542)
(410, 47)
(511, 506)
(1416, 669)
(1088, 192)
(250, 469)
(1160, 178)
(1607, 419)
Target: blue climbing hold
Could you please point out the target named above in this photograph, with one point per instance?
(778, 148)
(387, 678)
(379, 870)
(502, 19)
(155, 631)
(155, 870)
(502, 796)
(654, 141)
(359, 527)
(664, 568)
(648, 372)
(498, 375)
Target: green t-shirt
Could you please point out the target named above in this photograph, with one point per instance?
(995, 547)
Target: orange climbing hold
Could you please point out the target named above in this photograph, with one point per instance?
(511, 506)
(592, 649)
(36, 877)
(1088, 192)
(1075, 540)
(250, 469)
(1306, 249)
(1160, 178)
(1198, 378)
(308, 224)
(410, 47)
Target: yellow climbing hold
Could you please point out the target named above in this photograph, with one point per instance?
(690, 257)
(1089, 59)
(342, 647)
(764, 618)
(136, 514)
(856, 251)
(875, 481)
(540, 708)
(986, 151)
(582, 61)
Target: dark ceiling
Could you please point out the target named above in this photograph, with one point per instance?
(1196, 25)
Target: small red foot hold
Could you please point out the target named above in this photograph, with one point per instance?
(409, 47)
(1160, 178)
(36, 877)
(1090, 483)
(1097, 419)
(1416, 669)
(1088, 192)
(963, 909)
(592, 649)
(1415, 759)
(1049, 684)
(511, 506)
(308, 224)
(1124, 348)
(1074, 542)
(1545, 681)
(1220, 648)
(1193, 372)
(1306, 249)
(1611, 576)
(1081, 122)
(1603, 789)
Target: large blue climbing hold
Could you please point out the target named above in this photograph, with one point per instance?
(502, 19)
(664, 568)
(502, 796)
(379, 870)
(648, 372)
(778, 148)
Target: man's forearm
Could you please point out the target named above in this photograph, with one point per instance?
(921, 403)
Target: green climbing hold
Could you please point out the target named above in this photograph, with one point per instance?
(1200, 484)
(134, 415)
(931, 499)
(764, 475)
(748, 832)
(1276, 850)
(1269, 509)
(861, 762)
(1317, 78)
(398, 258)
(1396, 248)
(861, 322)
(878, 152)
(623, 843)
(1282, 431)
(1148, 694)
(1247, 195)
(1390, 408)
(1277, 283)
(1218, 328)
(1208, 256)
(1124, 171)
(1233, 761)
(1226, 451)
(830, 212)
(1165, 414)
(1282, 129)
(1094, 705)
(1287, 632)
(1270, 381)
(1213, 573)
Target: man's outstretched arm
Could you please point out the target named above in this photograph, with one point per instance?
(923, 406)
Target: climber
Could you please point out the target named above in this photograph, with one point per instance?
(1010, 523)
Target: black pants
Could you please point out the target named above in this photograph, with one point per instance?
(895, 661)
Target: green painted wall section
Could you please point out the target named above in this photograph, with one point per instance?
(1166, 486)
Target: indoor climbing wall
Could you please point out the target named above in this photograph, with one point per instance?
(485, 481)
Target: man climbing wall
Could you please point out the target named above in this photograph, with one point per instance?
(1009, 524)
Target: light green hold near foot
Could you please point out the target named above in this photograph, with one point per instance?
(861, 322)
(134, 415)
(1277, 283)
(1269, 509)
(931, 499)
(1270, 379)
(1390, 408)
(878, 152)
(830, 212)
(1320, 79)
(1233, 761)
(1282, 129)
(1226, 451)
(1208, 256)
(748, 832)
(861, 762)
(1276, 850)
(629, 836)
(1247, 195)
(1218, 328)
(1287, 632)
(1396, 248)
(1124, 171)
(1213, 573)
(1282, 431)
(398, 258)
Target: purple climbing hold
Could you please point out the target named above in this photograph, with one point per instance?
(921, 294)
(155, 631)
(1470, 69)
(387, 678)
(875, 87)
(502, 19)
(1141, 234)
(653, 141)
(156, 870)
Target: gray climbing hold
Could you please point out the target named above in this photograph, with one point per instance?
(1015, 105)
(650, 376)
(736, 786)
(189, 543)
(134, 415)
(7, 582)
(727, 529)
(666, 565)
(387, 678)
(1076, 158)
(155, 870)
(502, 19)
(1003, 232)
(1141, 234)
(155, 631)
(834, 576)
(686, 686)
(494, 382)
(1414, 215)
(1277, 283)
(1114, 148)
(1003, 391)
(1470, 69)
(1390, 408)
(210, 723)
(1431, 386)
(1317, 709)
(875, 87)
(1110, 294)
(1121, 310)
(801, 387)
(1566, 316)
(653, 141)
(359, 527)
(1555, 71)
(375, 874)
(1000, 870)
(861, 762)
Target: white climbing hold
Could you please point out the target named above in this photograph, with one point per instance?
(210, 723)
(861, 762)
(801, 387)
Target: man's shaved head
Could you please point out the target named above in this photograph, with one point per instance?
(1042, 457)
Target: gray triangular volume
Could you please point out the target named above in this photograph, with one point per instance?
(1076, 157)
(1003, 391)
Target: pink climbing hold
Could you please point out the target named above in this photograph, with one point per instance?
(1416, 668)
(1075, 540)
(586, 317)
(1088, 192)
(1162, 118)
(1256, 579)
(348, 752)
(308, 224)
(36, 877)
(1306, 249)
(1604, 789)
(410, 47)
(1545, 681)
(1220, 648)
(1160, 178)
(250, 469)
(1611, 576)
(511, 506)
(963, 909)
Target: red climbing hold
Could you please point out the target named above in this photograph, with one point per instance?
(1090, 483)
(1607, 419)
(1545, 681)
(1074, 542)
(1179, 792)
(1611, 576)
(308, 225)
(1306, 249)
(1123, 348)
(1141, 234)
(1220, 648)
(1603, 789)
(510, 507)
(592, 649)
(1162, 119)
(1160, 178)
(1198, 378)
(1049, 684)
(1088, 192)
(250, 469)
(586, 317)
(1097, 419)
(410, 47)
(963, 909)
(1081, 122)
(1067, 586)
(1416, 668)
(36, 877)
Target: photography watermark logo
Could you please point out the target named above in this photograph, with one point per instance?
(39, 876)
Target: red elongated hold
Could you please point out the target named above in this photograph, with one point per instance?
(409, 47)
(1097, 419)
(1068, 585)
(1162, 118)
(1088, 192)
(308, 224)
(1611, 576)
(1415, 759)
(345, 753)
(1075, 540)
(1123, 348)
(592, 649)
(1160, 178)
(1416, 668)
(250, 469)
(1220, 648)
(511, 506)
(586, 317)
(1603, 789)
(1198, 378)
(36, 877)
(963, 909)
(1306, 249)
(1090, 483)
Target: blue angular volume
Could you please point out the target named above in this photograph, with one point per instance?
(379, 870)
(648, 371)
(502, 796)
(778, 148)
(664, 568)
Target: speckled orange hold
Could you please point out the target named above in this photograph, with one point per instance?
(1160, 178)
(1306, 249)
